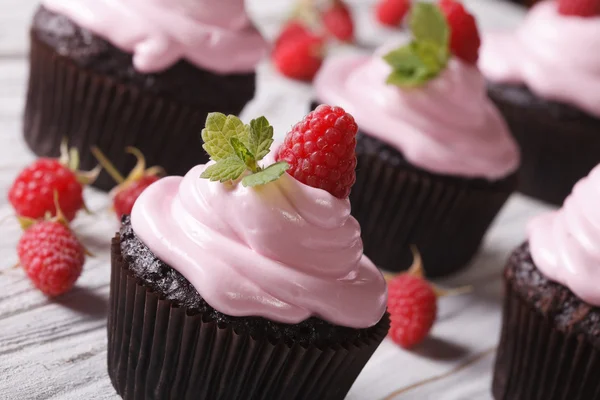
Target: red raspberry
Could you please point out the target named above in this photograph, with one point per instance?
(321, 150)
(32, 193)
(51, 256)
(464, 35)
(579, 8)
(338, 21)
(412, 304)
(392, 12)
(125, 198)
(293, 29)
(299, 58)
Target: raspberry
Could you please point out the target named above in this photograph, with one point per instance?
(51, 256)
(125, 198)
(392, 12)
(299, 58)
(321, 150)
(293, 29)
(579, 8)
(338, 21)
(464, 35)
(32, 192)
(412, 304)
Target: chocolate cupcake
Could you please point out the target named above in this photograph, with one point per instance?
(141, 74)
(252, 288)
(550, 343)
(435, 159)
(547, 87)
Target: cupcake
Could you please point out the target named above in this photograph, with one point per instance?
(145, 74)
(547, 86)
(550, 343)
(248, 284)
(436, 161)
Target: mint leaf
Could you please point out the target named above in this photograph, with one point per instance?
(226, 169)
(261, 137)
(269, 174)
(242, 152)
(217, 134)
(427, 23)
(415, 64)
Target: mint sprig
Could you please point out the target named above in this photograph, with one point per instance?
(428, 53)
(237, 148)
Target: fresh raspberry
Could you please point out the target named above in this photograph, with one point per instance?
(32, 192)
(464, 35)
(412, 304)
(579, 8)
(299, 58)
(392, 12)
(51, 256)
(321, 150)
(125, 198)
(293, 29)
(338, 21)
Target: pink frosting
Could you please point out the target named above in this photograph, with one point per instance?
(216, 35)
(565, 244)
(447, 126)
(284, 251)
(556, 56)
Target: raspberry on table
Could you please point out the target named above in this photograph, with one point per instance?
(125, 198)
(579, 8)
(392, 12)
(464, 34)
(299, 57)
(320, 150)
(337, 19)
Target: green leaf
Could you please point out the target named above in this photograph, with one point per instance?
(269, 174)
(427, 23)
(227, 169)
(261, 137)
(242, 152)
(218, 132)
(416, 63)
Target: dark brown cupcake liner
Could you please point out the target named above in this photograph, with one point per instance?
(157, 350)
(398, 205)
(65, 100)
(537, 360)
(559, 144)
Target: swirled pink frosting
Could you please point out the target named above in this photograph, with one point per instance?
(216, 35)
(556, 56)
(447, 126)
(284, 251)
(565, 244)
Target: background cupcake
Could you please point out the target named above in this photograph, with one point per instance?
(547, 86)
(551, 328)
(435, 159)
(142, 74)
(256, 287)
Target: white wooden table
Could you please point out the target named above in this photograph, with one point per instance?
(56, 349)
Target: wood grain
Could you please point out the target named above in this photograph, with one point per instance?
(57, 349)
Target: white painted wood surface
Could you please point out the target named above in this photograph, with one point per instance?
(57, 349)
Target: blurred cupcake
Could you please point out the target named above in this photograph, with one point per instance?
(545, 78)
(137, 73)
(256, 287)
(435, 159)
(550, 343)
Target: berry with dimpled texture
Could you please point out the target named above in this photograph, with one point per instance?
(337, 19)
(464, 34)
(32, 193)
(579, 8)
(412, 304)
(51, 256)
(392, 12)
(293, 29)
(300, 57)
(321, 150)
(125, 198)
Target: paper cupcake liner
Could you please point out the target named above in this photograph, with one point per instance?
(558, 146)
(536, 360)
(65, 100)
(398, 205)
(161, 351)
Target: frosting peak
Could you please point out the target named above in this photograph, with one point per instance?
(447, 126)
(283, 251)
(217, 35)
(565, 244)
(554, 55)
